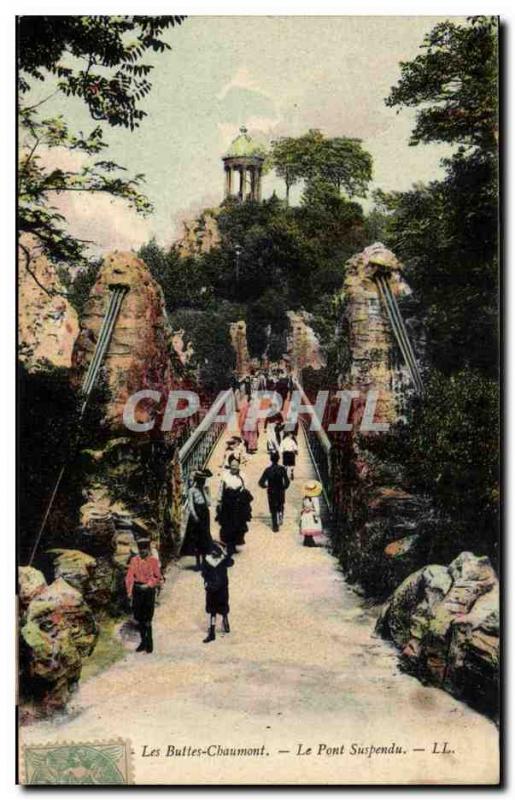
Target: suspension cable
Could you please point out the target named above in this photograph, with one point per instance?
(106, 331)
(402, 326)
(400, 332)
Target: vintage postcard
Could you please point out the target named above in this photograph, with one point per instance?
(258, 400)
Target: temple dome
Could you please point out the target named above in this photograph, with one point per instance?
(244, 147)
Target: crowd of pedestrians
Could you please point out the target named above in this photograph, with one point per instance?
(232, 511)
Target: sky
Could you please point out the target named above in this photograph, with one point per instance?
(278, 76)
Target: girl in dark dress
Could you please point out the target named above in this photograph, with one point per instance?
(216, 584)
(197, 538)
(234, 510)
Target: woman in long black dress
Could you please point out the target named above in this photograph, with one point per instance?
(234, 509)
(197, 538)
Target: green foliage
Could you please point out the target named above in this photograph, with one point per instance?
(449, 450)
(105, 68)
(213, 355)
(48, 417)
(95, 59)
(340, 162)
(289, 258)
(453, 84)
(184, 282)
(79, 285)
(446, 232)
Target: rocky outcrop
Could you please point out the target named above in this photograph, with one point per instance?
(199, 236)
(57, 632)
(372, 359)
(183, 349)
(126, 474)
(303, 345)
(238, 333)
(445, 622)
(382, 528)
(73, 566)
(31, 582)
(140, 354)
(47, 322)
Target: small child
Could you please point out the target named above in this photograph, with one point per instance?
(310, 520)
(216, 584)
(289, 450)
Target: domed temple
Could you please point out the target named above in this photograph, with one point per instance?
(246, 158)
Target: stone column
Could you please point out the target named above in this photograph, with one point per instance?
(228, 181)
(242, 183)
(253, 183)
(258, 182)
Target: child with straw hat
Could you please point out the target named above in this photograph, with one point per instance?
(310, 519)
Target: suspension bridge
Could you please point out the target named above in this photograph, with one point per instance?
(300, 675)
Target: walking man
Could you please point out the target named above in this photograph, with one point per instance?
(275, 480)
(141, 581)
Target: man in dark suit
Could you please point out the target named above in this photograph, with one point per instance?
(275, 480)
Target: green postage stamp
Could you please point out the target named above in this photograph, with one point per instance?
(77, 763)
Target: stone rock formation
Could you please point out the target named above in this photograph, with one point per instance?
(184, 350)
(445, 621)
(126, 474)
(383, 528)
(238, 333)
(139, 355)
(31, 583)
(371, 342)
(199, 236)
(73, 566)
(303, 345)
(57, 632)
(47, 322)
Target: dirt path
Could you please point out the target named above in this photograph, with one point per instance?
(300, 667)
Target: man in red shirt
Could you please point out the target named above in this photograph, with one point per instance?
(141, 581)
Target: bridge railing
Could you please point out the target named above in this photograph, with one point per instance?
(197, 449)
(319, 446)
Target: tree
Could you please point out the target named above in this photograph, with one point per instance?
(446, 235)
(446, 232)
(287, 162)
(340, 161)
(453, 83)
(39, 183)
(111, 79)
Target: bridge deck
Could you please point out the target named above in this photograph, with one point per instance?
(301, 665)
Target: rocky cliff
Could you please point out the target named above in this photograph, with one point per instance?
(382, 529)
(47, 322)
